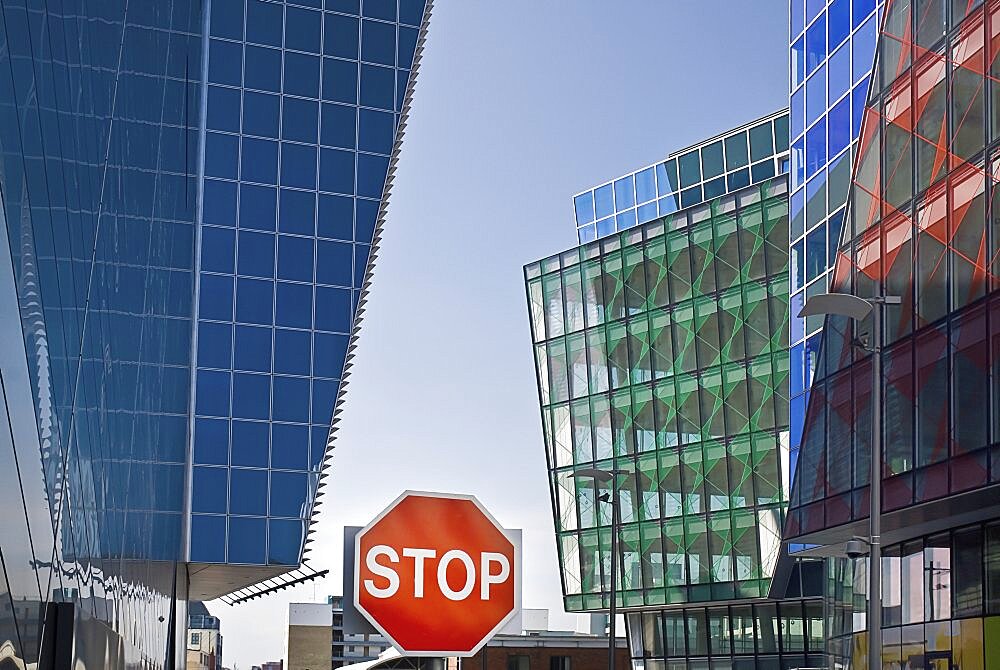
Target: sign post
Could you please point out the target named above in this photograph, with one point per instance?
(436, 574)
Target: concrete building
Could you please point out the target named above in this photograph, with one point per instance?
(316, 631)
(204, 639)
(309, 636)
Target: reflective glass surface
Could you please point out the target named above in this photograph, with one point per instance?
(291, 198)
(98, 173)
(662, 350)
(835, 46)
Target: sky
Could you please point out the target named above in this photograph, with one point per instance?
(519, 105)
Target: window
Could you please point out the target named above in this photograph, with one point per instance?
(559, 663)
(196, 638)
(518, 662)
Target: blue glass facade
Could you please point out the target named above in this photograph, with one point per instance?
(748, 155)
(190, 194)
(832, 52)
(297, 149)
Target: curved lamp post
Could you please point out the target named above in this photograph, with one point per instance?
(602, 477)
(858, 309)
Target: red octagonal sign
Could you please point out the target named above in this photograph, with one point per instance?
(436, 574)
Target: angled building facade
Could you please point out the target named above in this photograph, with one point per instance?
(920, 224)
(662, 350)
(832, 50)
(192, 192)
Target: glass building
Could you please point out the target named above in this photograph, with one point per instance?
(920, 224)
(662, 350)
(191, 193)
(832, 51)
(747, 155)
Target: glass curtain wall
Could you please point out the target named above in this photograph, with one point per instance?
(663, 350)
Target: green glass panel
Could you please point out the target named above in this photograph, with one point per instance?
(689, 168)
(711, 160)
(737, 155)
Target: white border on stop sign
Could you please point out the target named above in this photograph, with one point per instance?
(513, 538)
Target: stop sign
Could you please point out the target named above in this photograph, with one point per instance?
(436, 574)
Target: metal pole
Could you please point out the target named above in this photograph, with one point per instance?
(614, 571)
(875, 513)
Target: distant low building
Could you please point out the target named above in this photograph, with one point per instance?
(535, 647)
(316, 638)
(351, 648)
(204, 641)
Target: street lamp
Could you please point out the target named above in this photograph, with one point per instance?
(603, 476)
(857, 309)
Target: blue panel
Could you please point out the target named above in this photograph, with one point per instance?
(245, 540)
(248, 491)
(838, 18)
(217, 249)
(863, 45)
(219, 203)
(815, 44)
(288, 494)
(816, 95)
(295, 258)
(215, 345)
(290, 447)
(293, 305)
(292, 352)
(815, 147)
(249, 443)
(251, 394)
(860, 10)
(341, 36)
(261, 112)
(256, 254)
(302, 29)
(645, 185)
(584, 206)
(297, 212)
(339, 126)
(254, 298)
(209, 490)
(211, 441)
(797, 12)
(252, 347)
(264, 23)
(208, 539)
(300, 120)
(213, 393)
(290, 400)
(323, 400)
(839, 72)
(284, 540)
(624, 193)
(298, 165)
(813, 8)
(301, 74)
(330, 351)
(797, 384)
(840, 126)
(604, 203)
(258, 207)
(797, 113)
(798, 58)
(263, 69)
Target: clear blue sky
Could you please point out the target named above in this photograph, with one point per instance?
(519, 105)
